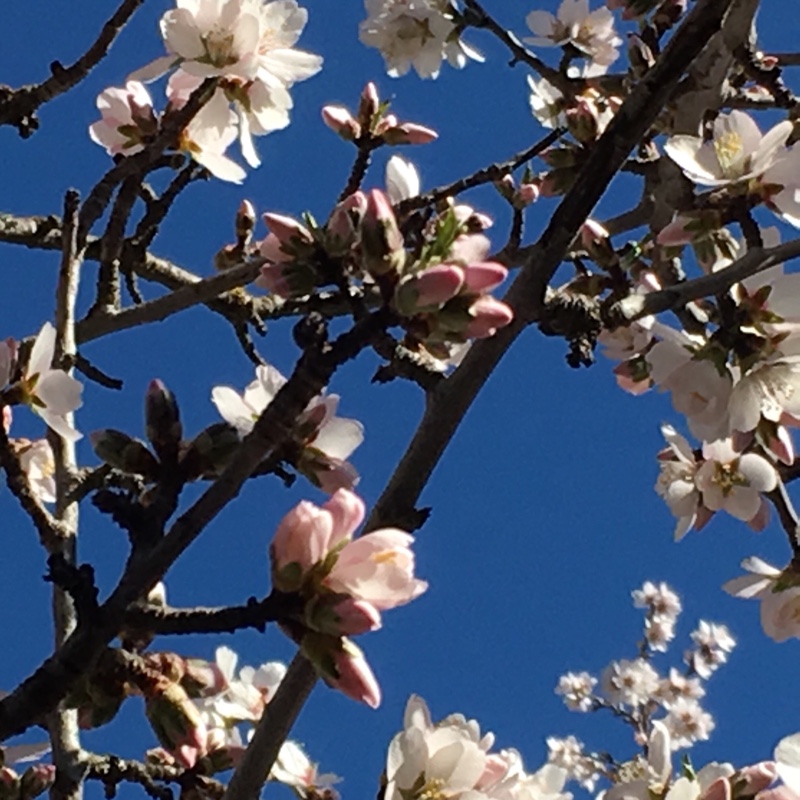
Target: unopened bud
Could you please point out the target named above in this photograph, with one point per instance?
(341, 615)
(245, 223)
(368, 105)
(342, 122)
(36, 780)
(210, 451)
(177, 723)
(162, 421)
(409, 133)
(382, 242)
(124, 453)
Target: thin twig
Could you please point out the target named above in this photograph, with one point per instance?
(18, 106)
(63, 724)
(494, 172)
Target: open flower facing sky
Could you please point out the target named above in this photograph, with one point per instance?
(592, 33)
(327, 440)
(736, 151)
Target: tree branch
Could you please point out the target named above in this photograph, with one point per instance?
(18, 106)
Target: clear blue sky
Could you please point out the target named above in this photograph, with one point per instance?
(544, 516)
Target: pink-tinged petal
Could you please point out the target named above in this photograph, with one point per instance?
(271, 248)
(435, 286)
(181, 36)
(483, 276)
(333, 474)
(303, 537)
(758, 776)
(409, 133)
(155, 69)
(347, 512)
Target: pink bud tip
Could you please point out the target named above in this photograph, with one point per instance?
(488, 314)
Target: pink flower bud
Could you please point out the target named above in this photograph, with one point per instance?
(356, 680)
(488, 314)
(343, 223)
(301, 541)
(203, 678)
(431, 288)
(273, 279)
(756, 778)
(409, 133)
(342, 616)
(272, 249)
(245, 221)
(676, 233)
(369, 104)
(36, 780)
(526, 194)
(332, 474)
(382, 243)
(341, 121)
(483, 277)
(177, 723)
(287, 229)
(720, 789)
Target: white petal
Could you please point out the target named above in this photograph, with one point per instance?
(41, 358)
(339, 437)
(233, 408)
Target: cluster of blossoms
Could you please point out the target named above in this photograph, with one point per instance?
(734, 371)
(199, 709)
(451, 759)
(343, 585)
(322, 441)
(416, 33)
(247, 47)
(438, 285)
(664, 707)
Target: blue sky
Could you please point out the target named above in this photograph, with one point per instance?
(544, 516)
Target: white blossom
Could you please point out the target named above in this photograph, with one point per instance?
(591, 33)
(51, 393)
(402, 179)
(737, 150)
(676, 480)
(576, 689)
(779, 596)
(629, 683)
(415, 33)
(712, 642)
(687, 722)
(295, 769)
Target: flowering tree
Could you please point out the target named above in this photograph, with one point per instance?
(683, 287)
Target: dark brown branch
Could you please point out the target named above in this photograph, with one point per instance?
(676, 297)
(780, 499)
(448, 403)
(477, 17)
(49, 684)
(227, 619)
(18, 107)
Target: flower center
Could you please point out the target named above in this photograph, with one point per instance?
(728, 148)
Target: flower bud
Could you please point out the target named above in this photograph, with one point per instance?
(340, 615)
(342, 665)
(300, 542)
(202, 678)
(382, 242)
(409, 133)
(340, 232)
(429, 289)
(287, 229)
(368, 105)
(483, 277)
(488, 314)
(124, 453)
(342, 122)
(162, 421)
(177, 723)
(36, 780)
(245, 223)
(210, 451)
(9, 784)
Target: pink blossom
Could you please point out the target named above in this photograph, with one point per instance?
(377, 568)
